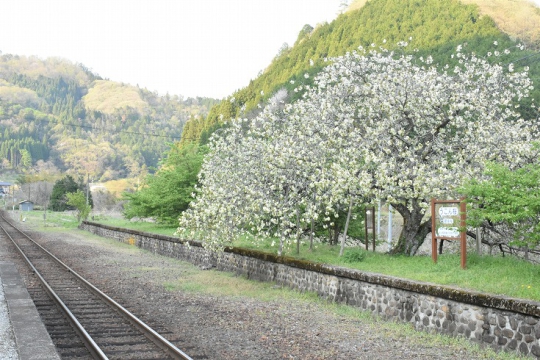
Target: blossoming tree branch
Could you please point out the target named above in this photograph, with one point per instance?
(376, 125)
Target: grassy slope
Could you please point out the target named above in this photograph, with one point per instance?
(108, 96)
(518, 18)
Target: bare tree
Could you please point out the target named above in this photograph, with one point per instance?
(104, 200)
(41, 193)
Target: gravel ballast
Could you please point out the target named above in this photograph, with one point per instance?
(233, 326)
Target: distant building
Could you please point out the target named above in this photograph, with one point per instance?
(26, 205)
(4, 188)
(97, 187)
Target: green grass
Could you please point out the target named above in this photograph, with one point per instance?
(506, 276)
(137, 225)
(57, 220)
(228, 284)
(497, 275)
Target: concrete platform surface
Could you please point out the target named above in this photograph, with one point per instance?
(31, 339)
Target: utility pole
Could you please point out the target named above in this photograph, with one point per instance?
(389, 227)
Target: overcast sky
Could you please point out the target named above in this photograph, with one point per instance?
(184, 47)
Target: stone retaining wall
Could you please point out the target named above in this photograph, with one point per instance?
(499, 322)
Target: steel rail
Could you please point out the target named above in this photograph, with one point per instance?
(150, 333)
(90, 344)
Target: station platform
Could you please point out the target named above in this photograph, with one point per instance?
(23, 335)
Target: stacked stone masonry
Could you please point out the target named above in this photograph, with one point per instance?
(494, 321)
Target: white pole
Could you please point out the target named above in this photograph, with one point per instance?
(379, 220)
(389, 227)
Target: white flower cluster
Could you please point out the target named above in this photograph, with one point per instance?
(374, 125)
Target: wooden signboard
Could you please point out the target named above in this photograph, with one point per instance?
(447, 220)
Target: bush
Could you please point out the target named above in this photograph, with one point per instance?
(507, 199)
(354, 255)
(78, 200)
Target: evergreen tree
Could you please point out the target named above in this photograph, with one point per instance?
(26, 159)
(59, 200)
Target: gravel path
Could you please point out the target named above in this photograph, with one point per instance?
(233, 326)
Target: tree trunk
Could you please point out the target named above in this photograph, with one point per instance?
(282, 239)
(298, 232)
(414, 230)
(336, 233)
(333, 233)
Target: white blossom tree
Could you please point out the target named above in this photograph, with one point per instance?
(420, 130)
(266, 177)
(375, 125)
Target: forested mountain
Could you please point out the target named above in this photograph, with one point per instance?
(434, 27)
(54, 112)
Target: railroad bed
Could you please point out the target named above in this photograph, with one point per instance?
(98, 327)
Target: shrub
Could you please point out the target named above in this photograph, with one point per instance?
(354, 255)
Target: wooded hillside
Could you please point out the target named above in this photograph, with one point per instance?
(435, 27)
(63, 115)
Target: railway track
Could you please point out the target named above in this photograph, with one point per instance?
(100, 327)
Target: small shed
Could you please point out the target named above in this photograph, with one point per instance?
(26, 205)
(4, 188)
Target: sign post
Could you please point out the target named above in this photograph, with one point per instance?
(448, 223)
(369, 221)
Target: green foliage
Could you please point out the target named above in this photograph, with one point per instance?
(21, 179)
(354, 255)
(167, 194)
(509, 197)
(59, 200)
(78, 201)
(26, 159)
